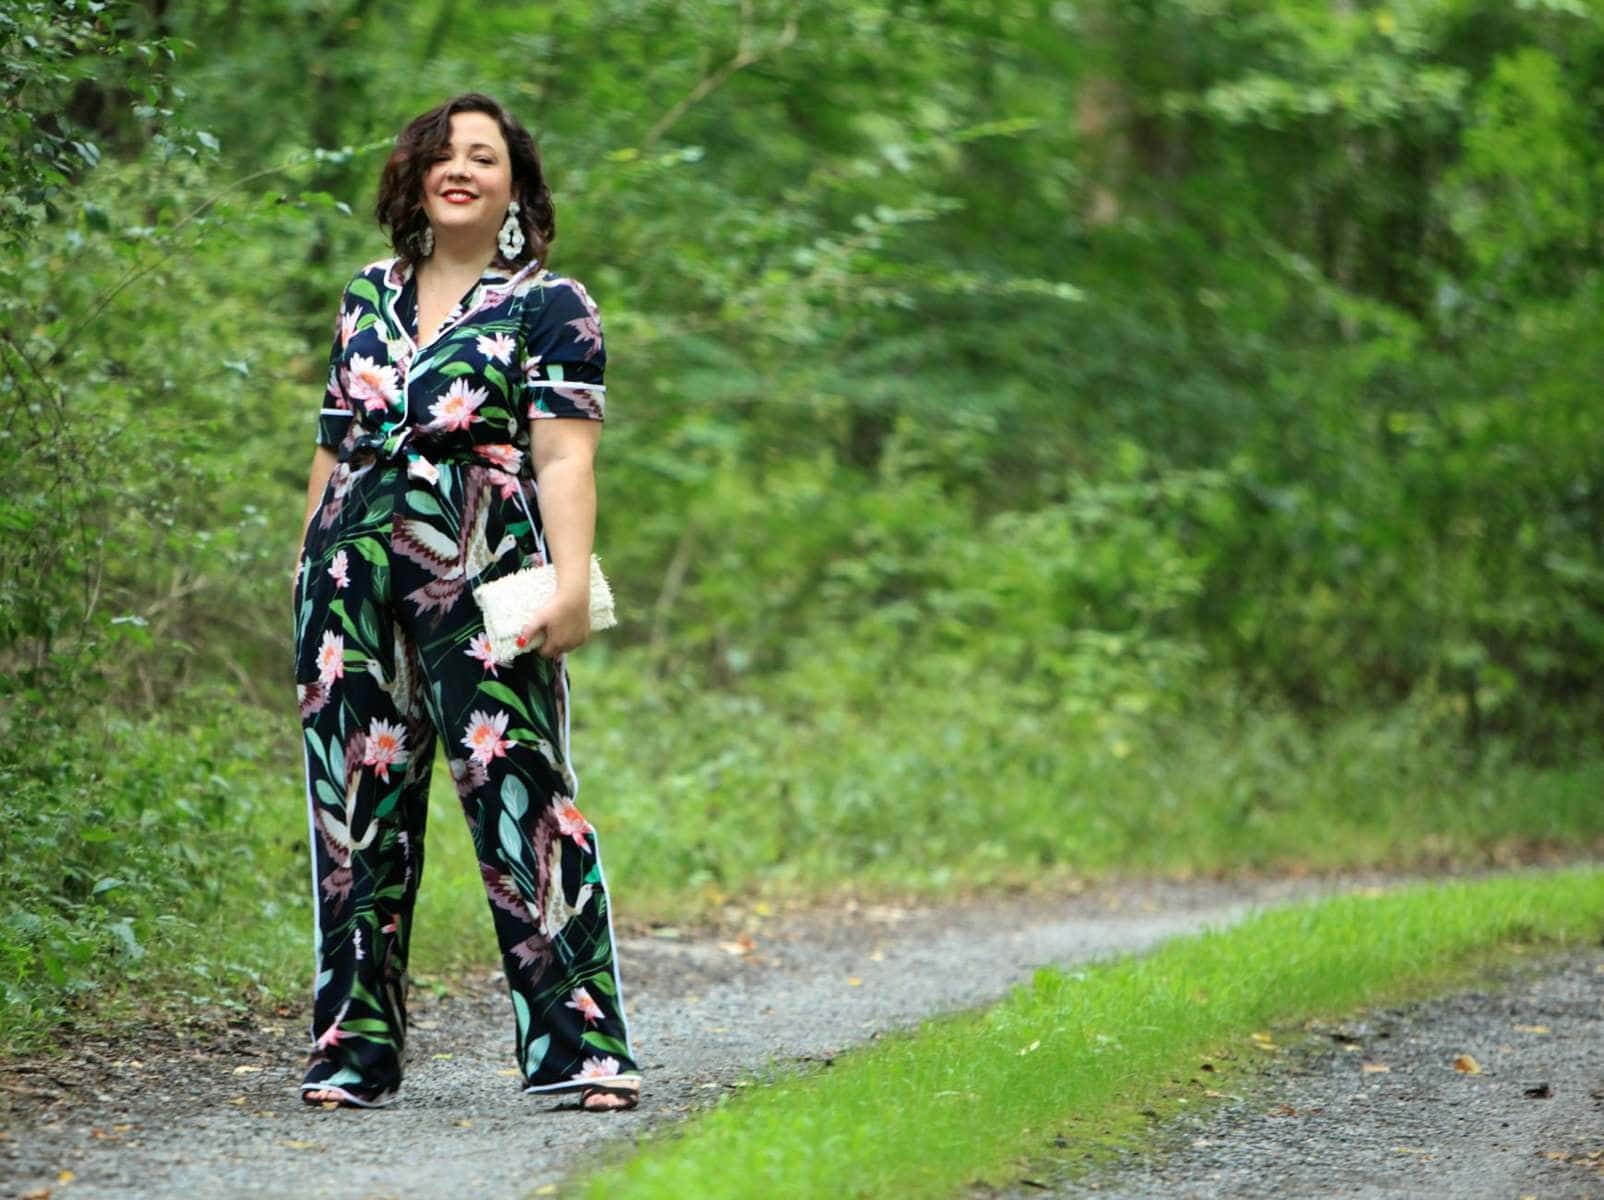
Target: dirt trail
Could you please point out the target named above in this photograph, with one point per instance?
(165, 1119)
(1376, 1107)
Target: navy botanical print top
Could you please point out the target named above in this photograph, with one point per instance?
(516, 347)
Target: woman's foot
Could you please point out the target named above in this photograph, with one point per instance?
(615, 1097)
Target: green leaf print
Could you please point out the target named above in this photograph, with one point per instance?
(387, 805)
(603, 984)
(363, 289)
(515, 796)
(366, 1025)
(337, 760)
(337, 607)
(494, 412)
(369, 549)
(370, 625)
(604, 1043)
(423, 502)
(322, 982)
(500, 691)
(497, 380)
(512, 839)
(342, 1076)
(366, 997)
(368, 321)
(535, 1055)
(452, 369)
(520, 1008)
(327, 794)
(317, 748)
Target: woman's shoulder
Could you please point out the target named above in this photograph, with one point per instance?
(368, 281)
(560, 296)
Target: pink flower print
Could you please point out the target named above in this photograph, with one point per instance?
(598, 1068)
(332, 1035)
(498, 348)
(570, 821)
(483, 739)
(506, 484)
(481, 649)
(457, 408)
(587, 331)
(589, 1009)
(332, 389)
(531, 368)
(331, 658)
(339, 569)
(374, 385)
(386, 747)
(499, 454)
(348, 320)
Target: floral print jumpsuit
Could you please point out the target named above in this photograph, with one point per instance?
(432, 494)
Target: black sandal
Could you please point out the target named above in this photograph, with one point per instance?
(630, 1095)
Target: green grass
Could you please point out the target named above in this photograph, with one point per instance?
(1077, 1055)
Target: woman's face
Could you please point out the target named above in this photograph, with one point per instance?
(467, 190)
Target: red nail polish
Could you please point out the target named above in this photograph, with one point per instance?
(522, 641)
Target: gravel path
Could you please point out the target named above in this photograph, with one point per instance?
(218, 1114)
(1376, 1107)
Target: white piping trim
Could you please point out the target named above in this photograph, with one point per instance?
(618, 983)
(573, 778)
(354, 1100)
(563, 383)
(579, 1085)
(335, 412)
(311, 829)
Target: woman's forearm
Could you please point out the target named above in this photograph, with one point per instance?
(323, 460)
(568, 512)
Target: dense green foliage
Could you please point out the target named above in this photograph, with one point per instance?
(1117, 409)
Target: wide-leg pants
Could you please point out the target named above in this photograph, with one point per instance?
(391, 660)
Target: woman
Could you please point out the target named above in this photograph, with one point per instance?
(465, 380)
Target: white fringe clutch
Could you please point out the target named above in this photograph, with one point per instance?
(507, 604)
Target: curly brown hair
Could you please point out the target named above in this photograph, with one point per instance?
(400, 204)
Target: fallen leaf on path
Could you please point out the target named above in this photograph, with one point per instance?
(237, 1100)
(42, 1193)
(1533, 1029)
(296, 1143)
(508, 1071)
(741, 945)
(1466, 1065)
(1374, 1068)
(854, 981)
(1283, 1110)
(546, 1189)
(245, 1070)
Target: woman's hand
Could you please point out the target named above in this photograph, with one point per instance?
(561, 626)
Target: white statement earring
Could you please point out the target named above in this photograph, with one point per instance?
(511, 237)
(425, 240)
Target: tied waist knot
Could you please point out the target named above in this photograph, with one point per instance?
(417, 450)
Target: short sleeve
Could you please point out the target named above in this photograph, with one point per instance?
(334, 417)
(564, 358)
